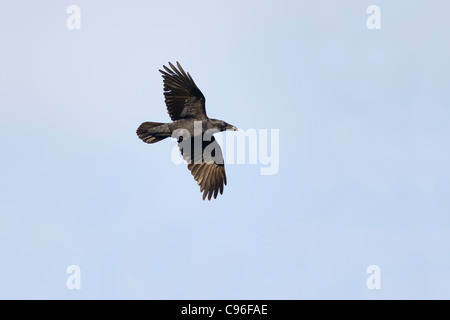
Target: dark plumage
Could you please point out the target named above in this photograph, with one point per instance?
(186, 107)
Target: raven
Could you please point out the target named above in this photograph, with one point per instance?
(192, 128)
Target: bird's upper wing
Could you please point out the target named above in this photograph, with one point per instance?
(183, 99)
(206, 165)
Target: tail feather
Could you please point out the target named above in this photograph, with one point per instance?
(151, 132)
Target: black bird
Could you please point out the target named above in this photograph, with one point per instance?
(193, 130)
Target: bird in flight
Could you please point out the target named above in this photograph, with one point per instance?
(193, 130)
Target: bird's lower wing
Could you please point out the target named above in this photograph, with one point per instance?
(205, 161)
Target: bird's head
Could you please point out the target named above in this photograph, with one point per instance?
(223, 126)
(229, 127)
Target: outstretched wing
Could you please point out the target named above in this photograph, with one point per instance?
(206, 165)
(183, 99)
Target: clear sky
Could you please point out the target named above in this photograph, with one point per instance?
(364, 177)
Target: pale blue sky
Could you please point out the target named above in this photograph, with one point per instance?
(364, 174)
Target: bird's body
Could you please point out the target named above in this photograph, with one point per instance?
(193, 127)
(193, 130)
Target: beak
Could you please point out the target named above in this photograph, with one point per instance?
(233, 128)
